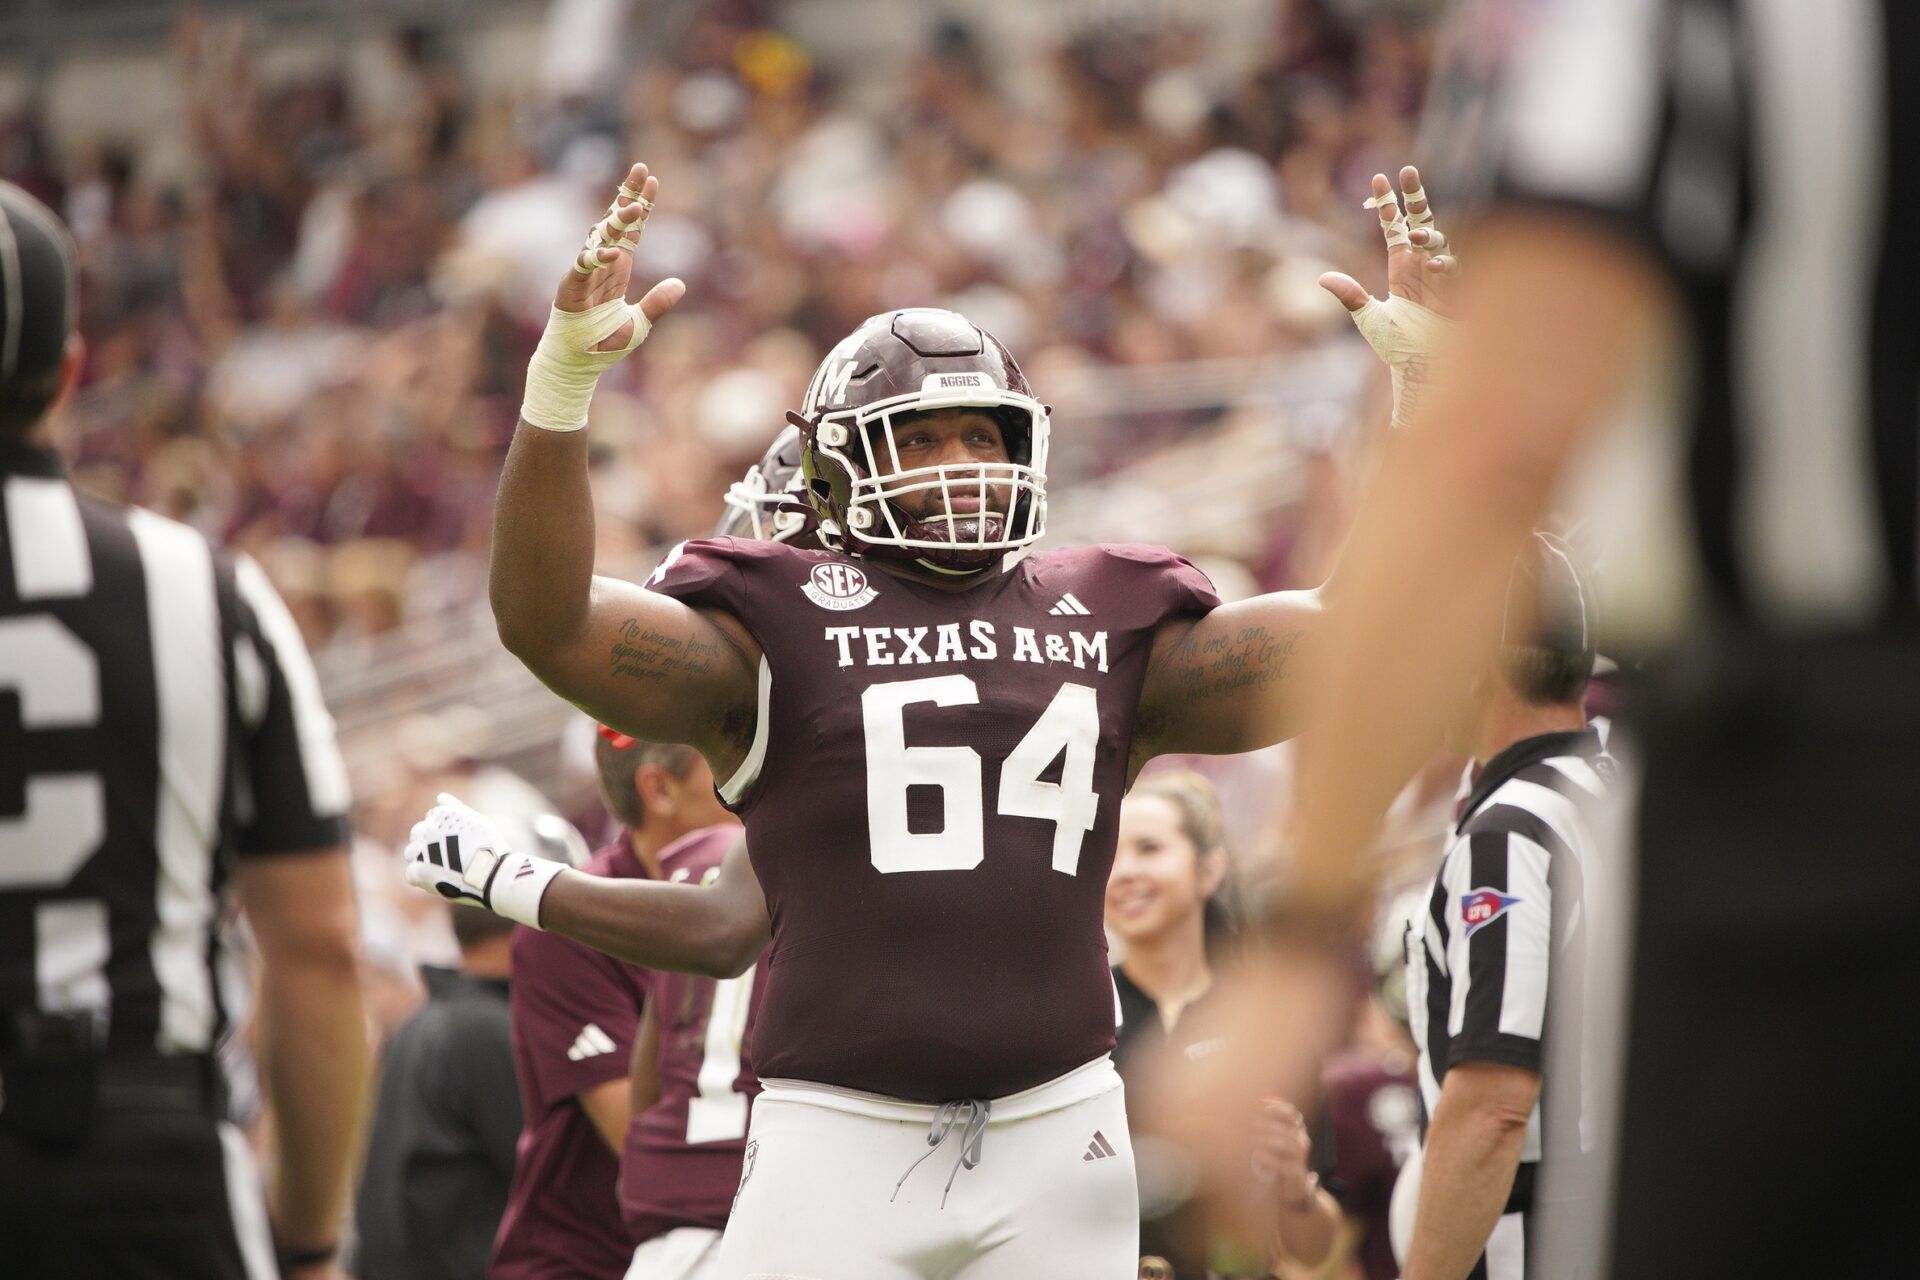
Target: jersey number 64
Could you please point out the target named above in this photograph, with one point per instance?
(1070, 722)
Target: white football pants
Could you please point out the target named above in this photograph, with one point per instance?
(684, 1253)
(830, 1189)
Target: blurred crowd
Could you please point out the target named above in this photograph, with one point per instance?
(307, 335)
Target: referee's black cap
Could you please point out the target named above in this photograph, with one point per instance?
(37, 303)
(1549, 600)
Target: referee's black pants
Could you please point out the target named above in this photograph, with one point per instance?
(1771, 1106)
(159, 1190)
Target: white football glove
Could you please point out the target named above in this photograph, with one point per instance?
(457, 852)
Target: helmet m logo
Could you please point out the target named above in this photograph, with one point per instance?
(834, 390)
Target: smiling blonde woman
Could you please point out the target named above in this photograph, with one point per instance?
(1170, 907)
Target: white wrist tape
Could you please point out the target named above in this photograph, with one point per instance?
(1407, 336)
(565, 367)
(514, 884)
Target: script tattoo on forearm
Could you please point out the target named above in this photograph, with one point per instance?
(1252, 658)
(644, 653)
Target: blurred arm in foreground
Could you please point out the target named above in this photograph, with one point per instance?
(1551, 318)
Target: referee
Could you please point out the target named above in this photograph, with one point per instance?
(163, 752)
(1503, 939)
(1702, 239)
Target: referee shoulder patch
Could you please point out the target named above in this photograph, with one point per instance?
(1482, 906)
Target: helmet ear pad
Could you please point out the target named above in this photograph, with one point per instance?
(825, 484)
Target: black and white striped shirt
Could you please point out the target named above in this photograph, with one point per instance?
(1763, 150)
(159, 716)
(1505, 929)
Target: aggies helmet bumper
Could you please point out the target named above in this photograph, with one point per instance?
(912, 361)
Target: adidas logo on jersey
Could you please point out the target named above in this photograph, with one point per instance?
(1098, 1149)
(591, 1043)
(1069, 607)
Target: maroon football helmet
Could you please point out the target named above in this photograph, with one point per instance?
(911, 361)
(769, 502)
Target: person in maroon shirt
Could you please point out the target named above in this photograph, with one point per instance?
(692, 1086)
(1374, 1110)
(928, 730)
(575, 1016)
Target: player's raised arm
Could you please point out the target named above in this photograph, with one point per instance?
(642, 662)
(715, 930)
(1232, 680)
(1241, 677)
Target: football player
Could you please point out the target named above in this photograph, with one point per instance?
(692, 1084)
(700, 924)
(927, 729)
(576, 1018)
(712, 926)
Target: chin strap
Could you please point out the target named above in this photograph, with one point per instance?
(952, 573)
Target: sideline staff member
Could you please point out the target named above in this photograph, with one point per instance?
(1165, 903)
(440, 1149)
(163, 749)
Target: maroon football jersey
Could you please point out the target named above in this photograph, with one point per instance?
(575, 1013)
(681, 1163)
(931, 802)
(1375, 1112)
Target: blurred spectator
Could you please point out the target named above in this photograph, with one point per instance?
(1167, 907)
(1372, 1100)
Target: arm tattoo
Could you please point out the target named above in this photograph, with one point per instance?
(644, 653)
(1252, 658)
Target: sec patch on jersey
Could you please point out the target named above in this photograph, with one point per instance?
(838, 587)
